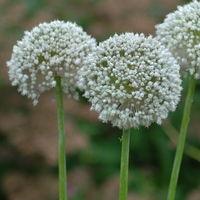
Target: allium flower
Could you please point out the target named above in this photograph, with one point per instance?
(180, 32)
(131, 81)
(48, 50)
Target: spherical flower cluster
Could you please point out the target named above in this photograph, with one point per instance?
(180, 32)
(131, 80)
(51, 49)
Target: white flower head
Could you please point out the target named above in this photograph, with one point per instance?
(51, 49)
(180, 32)
(132, 80)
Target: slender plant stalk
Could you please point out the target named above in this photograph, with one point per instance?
(181, 140)
(124, 165)
(172, 133)
(61, 140)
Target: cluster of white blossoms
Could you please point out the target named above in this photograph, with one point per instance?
(51, 49)
(180, 32)
(131, 80)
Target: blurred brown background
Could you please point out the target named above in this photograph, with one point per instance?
(28, 134)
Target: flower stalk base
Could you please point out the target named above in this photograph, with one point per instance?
(181, 140)
(124, 165)
(61, 140)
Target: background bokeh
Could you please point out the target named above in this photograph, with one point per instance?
(28, 134)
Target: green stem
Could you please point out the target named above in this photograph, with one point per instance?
(61, 140)
(172, 133)
(124, 165)
(181, 140)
